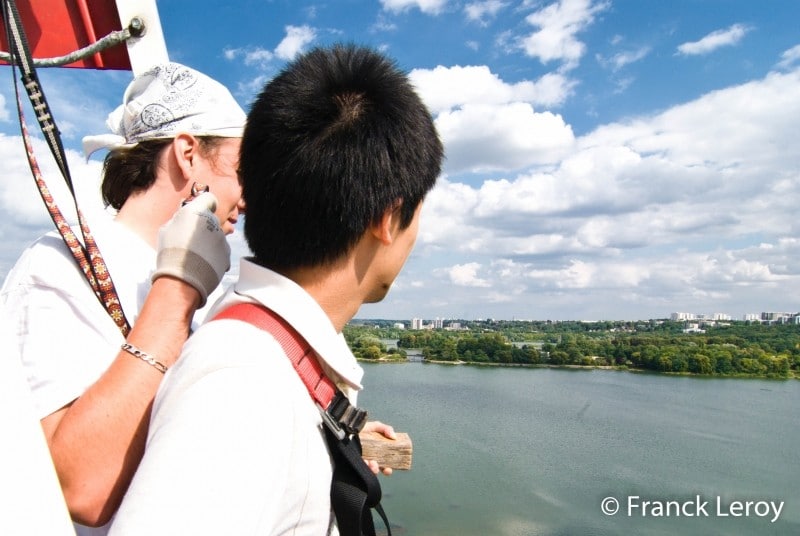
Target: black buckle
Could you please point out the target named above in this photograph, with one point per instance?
(342, 418)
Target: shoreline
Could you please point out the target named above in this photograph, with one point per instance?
(790, 376)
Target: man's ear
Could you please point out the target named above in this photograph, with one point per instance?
(185, 148)
(385, 228)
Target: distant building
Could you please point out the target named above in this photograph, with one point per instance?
(751, 317)
(693, 328)
(416, 323)
(438, 323)
(700, 317)
(399, 325)
(778, 318)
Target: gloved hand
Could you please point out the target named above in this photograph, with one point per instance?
(192, 246)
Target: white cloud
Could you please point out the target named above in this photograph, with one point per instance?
(481, 11)
(622, 84)
(466, 275)
(257, 56)
(557, 27)
(653, 180)
(19, 197)
(251, 56)
(297, 38)
(253, 86)
(445, 88)
(383, 25)
(24, 214)
(662, 212)
(430, 7)
(446, 215)
(488, 124)
(654, 214)
(621, 59)
(482, 138)
(717, 39)
(790, 58)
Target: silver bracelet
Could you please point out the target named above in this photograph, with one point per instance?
(144, 356)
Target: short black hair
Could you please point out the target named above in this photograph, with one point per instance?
(334, 140)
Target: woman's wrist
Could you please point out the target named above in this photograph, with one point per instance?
(176, 295)
(165, 319)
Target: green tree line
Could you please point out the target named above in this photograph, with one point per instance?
(736, 349)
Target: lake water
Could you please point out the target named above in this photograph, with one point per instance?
(523, 451)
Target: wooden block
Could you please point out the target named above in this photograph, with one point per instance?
(394, 453)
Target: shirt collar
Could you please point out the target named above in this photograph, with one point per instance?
(291, 302)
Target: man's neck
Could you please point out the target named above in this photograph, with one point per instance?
(335, 290)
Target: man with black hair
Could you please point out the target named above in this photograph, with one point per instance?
(337, 157)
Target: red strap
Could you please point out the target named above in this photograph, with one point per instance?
(299, 352)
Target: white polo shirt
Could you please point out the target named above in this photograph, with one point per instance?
(58, 328)
(30, 496)
(64, 336)
(235, 443)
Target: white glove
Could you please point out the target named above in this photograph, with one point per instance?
(192, 246)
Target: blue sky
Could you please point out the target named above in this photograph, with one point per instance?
(605, 159)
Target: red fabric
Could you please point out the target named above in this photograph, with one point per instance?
(58, 27)
(300, 353)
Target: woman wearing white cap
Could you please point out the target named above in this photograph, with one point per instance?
(176, 135)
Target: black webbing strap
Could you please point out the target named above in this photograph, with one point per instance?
(355, 489)
(21, 55)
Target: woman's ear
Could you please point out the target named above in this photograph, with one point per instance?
(185, 148)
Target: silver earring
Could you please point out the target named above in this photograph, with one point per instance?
(198, 188)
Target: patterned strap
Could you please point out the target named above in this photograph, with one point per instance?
(87, 255)
(88, 258)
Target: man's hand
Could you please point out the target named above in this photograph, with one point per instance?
(387, 431)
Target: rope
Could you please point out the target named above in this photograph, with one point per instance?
(135, 29)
